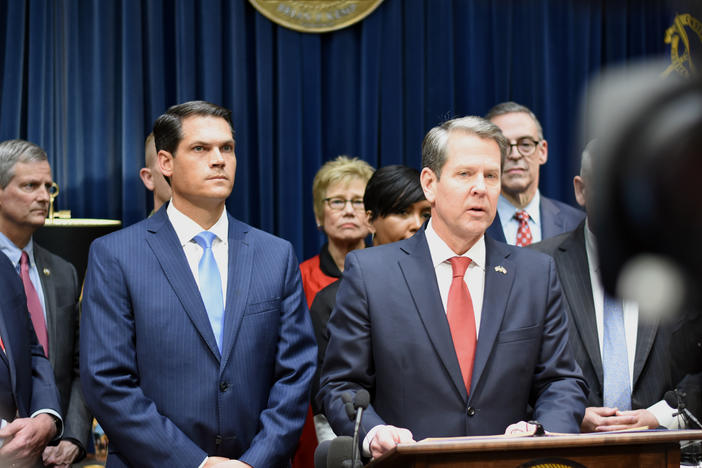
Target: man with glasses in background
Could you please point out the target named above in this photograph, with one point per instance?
(523, 214)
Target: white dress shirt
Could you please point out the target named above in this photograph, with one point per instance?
(186, 229)
(660, 410)
(474, 276)
(510, 224)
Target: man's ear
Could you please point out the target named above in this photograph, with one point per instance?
(147, 178)
(543, 152)
(428, 180)
(580, 188)
(165, 162)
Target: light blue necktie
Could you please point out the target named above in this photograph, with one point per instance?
(617, 389)
(211, 285)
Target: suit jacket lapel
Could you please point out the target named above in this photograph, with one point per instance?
(497, 287)
(551, 222)
(7, 355)
(238, 282)
(164, 242)
(495, 230)
(418, 271)
(49, 287)
(645, 336)
(574, 273)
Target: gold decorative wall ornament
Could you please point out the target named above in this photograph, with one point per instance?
(315, 16)
(681, 45)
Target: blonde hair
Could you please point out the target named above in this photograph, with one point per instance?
(340, 169)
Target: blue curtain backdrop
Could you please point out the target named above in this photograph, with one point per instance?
(85, 79)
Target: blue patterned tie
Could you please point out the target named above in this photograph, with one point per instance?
(617, 389)
(211, 285)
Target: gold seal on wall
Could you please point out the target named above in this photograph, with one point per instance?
(315, 16)
(681, 45)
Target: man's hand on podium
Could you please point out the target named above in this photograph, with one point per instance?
(387, 437)
(601, 419)
(521, 428)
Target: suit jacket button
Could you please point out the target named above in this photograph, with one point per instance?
(470, 411)
(223, 386)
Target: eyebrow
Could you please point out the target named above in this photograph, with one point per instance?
(211, 143)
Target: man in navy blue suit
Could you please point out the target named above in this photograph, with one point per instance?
(452, 333)
(29, 400)
(523, 214)
(197, 348)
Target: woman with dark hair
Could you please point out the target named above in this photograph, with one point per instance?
(396, 209)
(395, 204)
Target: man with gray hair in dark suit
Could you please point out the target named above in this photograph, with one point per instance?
(50, 283)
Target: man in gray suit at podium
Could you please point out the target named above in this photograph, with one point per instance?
(50, 284)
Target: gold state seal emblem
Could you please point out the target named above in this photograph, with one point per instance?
(315, 16)
(680, 45)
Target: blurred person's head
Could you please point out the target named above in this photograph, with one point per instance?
(461, 178)
(151, 174)
(528, 151)
(337, 192)
(395, 204)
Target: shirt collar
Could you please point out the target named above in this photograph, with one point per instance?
(186, 228)
(506, 210)
(441, 252)
(13, 252)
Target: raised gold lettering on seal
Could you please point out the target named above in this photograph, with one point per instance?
(315, 16)
(680, 44)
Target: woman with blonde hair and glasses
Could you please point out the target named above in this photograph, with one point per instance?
(337, 191)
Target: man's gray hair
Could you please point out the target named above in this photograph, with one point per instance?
(14, 151)
(510, 107)
(435, 142)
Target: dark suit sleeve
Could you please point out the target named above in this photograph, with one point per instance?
(78, 419)
(288, 400)
(348, 361)
(110, 372)
(44, 393)
(558, 389)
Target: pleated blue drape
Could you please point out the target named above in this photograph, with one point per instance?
(86, 78)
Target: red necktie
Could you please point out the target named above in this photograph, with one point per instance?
(33, 304)
(523, 233)
(461, 318)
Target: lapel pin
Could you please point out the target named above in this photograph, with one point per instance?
(47, 272)
(501, 269)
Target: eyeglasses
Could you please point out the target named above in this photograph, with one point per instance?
(525, 146)
(338, 204)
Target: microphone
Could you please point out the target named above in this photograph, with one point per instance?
(360, 401)
(321, 454)
(676, 399)
(348, 405)
(339, 451)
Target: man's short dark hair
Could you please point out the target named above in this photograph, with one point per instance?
(168, 128)
(436, 140)
(391, 190)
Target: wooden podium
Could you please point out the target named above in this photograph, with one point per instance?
(611, 450)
